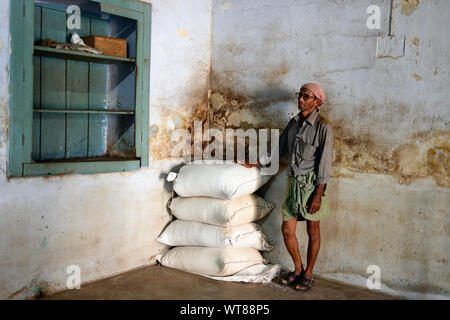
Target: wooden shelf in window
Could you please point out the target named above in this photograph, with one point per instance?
(80, 56)
(85, 111)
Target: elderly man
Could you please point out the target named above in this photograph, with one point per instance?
(308, 142)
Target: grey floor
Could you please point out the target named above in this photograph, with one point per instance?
(159, 283)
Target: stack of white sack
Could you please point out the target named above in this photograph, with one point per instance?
(214, 234)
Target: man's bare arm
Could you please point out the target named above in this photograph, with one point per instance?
(315, 201)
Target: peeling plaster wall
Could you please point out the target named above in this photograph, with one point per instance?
(390, 188)
(389, 191)
(181, 80)
(104, 223)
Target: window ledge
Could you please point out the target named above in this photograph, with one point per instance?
(79, 167)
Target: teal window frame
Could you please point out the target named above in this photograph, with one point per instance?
(20, 162)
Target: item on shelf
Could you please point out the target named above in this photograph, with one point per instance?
(110, 46)
(69, 46)
(75, 39)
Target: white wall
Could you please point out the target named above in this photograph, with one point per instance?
(105, 223)
(390, 187)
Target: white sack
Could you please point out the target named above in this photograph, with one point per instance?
(223, 181)
(219, 262)
(258, 273)
(189, 233)
(220, 212)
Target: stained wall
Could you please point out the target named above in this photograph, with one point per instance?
(104, 223)
(237, 64)
(389, 108)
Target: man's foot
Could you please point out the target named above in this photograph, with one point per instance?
(304, 284)
(291, 278)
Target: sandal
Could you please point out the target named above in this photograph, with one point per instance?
(304, 284)
(291, 275)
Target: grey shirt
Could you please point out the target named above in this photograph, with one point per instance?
(309, 146)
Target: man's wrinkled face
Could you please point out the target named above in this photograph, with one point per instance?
(307, 100)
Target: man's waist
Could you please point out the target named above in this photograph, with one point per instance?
(308, 178)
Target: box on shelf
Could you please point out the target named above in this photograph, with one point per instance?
(110, 46)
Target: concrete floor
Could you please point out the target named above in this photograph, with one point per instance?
(160, 283)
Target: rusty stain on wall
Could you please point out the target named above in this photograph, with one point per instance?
(416, 42)
(416, 76)
(273, 76)
(231, 110)
(426, 154)
(35, 290)
(226, 5)
(223, 106)
(12, 295)
(160, 134)
(40, 289)
(182, 32)
(423, 155)
(408, 6)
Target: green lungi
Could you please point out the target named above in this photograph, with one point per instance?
(298, 191)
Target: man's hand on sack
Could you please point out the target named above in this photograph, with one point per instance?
(250, 165)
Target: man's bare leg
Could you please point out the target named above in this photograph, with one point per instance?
(291, 243)
(313, 228)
